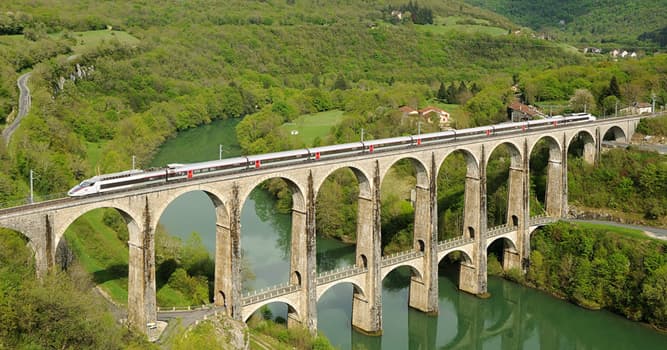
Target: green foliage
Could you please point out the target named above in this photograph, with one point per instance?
(653, 126)
(588, 21)
(597, 268)
(637, 181)
(293, 337)
(60, 311)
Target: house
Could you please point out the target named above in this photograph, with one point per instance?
(518, 111)
(637, 108)
(430, 111)
(408, 111)
(592, 50)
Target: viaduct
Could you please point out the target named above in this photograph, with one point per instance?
(44, 224)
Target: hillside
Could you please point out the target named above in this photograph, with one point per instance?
(589, 22)
(170, 68)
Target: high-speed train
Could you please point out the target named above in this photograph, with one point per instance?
(180, 172)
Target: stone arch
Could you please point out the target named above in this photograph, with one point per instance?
(363, 179)
(131, 219)
(297, 189)
(421, 245)
(466, 219)
(508, 242)
(296, 278)
(614, 133)
(588, 142)
(512, 203)
(217, 200)
(292, 310)
(555, 147)
(421, 170)
(465, 258)
(472, 161)
(362, 261)
(548, 193)
(357, 289)
(509, 254)
(414, 271)
(516, 155)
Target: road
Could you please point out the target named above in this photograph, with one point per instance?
(24, 106)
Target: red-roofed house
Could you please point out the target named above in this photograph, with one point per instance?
(407, 110)
(518, 111)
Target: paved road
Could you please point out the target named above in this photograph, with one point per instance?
(24, 106)
(660, 233)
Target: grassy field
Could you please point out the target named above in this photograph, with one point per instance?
(102, 254)
(310, 126)
(445, 25)
(81, 41)
(622, 231)
(90, 39)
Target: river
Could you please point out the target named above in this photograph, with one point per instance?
(514, 317)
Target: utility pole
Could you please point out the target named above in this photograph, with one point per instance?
(31, 187)
(616, 112)
(419, 128)
(362, 134)
(220, 152)
(133, 160)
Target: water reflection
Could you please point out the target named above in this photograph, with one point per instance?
(513, 318)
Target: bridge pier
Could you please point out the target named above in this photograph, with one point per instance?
(472, 275)
(424, 290)
(141, 289)
(367, 308)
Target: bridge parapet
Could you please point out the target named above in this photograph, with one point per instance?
(268, 293)
(499, 230)
(453, 243)
(338, 274)
(542, 219)
(400, 257)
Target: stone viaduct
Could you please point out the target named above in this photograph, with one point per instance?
(44, 224)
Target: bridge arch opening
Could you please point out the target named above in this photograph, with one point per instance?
(343, 217)
(404, 198)
(362, 261)
(455, 267)
(458, 189)
(546, 178)
(615, 134)
(280, 312)
(335, 304)
(502, 256)
(17, 252)
(581, 145)
(504, 184)
(104, 235)
(273, 234)
(192, 243)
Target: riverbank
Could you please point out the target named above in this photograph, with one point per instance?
(595, 267)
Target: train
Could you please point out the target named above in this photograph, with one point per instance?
(182, 172)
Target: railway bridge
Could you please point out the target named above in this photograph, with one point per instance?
(44, 223)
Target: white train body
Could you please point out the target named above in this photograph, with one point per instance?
(183, 172)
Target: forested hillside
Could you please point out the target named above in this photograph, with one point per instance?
(589, 22)
(190, 63)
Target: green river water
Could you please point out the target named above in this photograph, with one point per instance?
(514, 317)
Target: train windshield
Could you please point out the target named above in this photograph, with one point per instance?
(86, 184)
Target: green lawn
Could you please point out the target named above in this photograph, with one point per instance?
(90, 39)
(622, 231)
(444, 25)
(310, 126)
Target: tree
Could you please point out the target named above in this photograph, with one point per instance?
(442, 92)
(582, 101)
(340, 83)
(614, 88)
